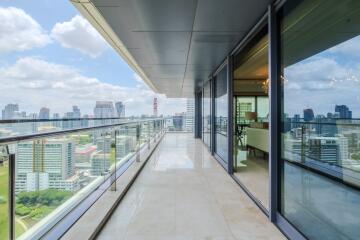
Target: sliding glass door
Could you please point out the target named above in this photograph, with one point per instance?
(206, 116)
(221, 115)
(320, 138)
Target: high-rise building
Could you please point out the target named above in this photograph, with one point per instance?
(120, 109)
(56, 116)
(104, 109)
(42, 164)
(76, 112)
(103, 144)
(44, 113)
(308, 115)
(190, 114)
(331, 150)
(343, 111)
(295, 123)
(124, 145)
(100, 163)
(10, 111)
(242, 108)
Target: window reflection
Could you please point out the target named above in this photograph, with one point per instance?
(321, 118)
(206, 114)
(221, 111)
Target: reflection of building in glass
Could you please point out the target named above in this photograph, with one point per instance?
(242, 108)
(190, 114)
(308, 115)
(43, 164)
(329, 149)
(343, 111)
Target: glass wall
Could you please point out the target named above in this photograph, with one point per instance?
(321, 118)
(251, 107)
(206, 117)
(221, 114)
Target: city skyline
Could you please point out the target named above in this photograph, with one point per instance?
(14, 111)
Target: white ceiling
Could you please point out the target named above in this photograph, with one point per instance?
(178, 43)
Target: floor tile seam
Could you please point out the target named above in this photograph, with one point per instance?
(136, 183)
(218, 203)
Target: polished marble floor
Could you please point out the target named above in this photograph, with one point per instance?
(184, 194)
(253, 172)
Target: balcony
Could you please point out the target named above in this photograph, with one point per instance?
(168, 186)
(53, 171)
(183, 193)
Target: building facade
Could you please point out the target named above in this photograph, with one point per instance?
(43, 164)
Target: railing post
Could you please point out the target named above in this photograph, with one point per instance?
(148, 135)
(153, 123)
(138, 142)
(11, 196)
(113, 184)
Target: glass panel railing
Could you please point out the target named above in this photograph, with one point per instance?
(54, 172)
(4, 193)
(326, 145)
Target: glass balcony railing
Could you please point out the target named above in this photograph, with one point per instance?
(48, 168)
(330, 146)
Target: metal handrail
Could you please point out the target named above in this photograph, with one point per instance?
(62, 132)
(4, 121)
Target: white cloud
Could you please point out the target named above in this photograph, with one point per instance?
(321, 83)
(80, 35)
(34, 83)
(19, 31)
(317, 73)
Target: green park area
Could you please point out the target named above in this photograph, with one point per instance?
(31, 207)
(4, 216)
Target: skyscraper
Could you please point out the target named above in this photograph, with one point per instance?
(331, 150)
(308, 115)
(44, 113)
(10, 111)
(343, 111)
(76, 112)
(120, 109)
(190, 114)
(104, 109)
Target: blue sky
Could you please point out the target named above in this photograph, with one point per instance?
(48, 13)
(48, 53)
(326, 79)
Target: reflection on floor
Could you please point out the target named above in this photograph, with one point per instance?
(184, 194)
(253, 171)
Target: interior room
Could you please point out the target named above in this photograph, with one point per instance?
(251, 118)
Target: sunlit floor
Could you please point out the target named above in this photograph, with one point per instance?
(253, 171)
(184, 194)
